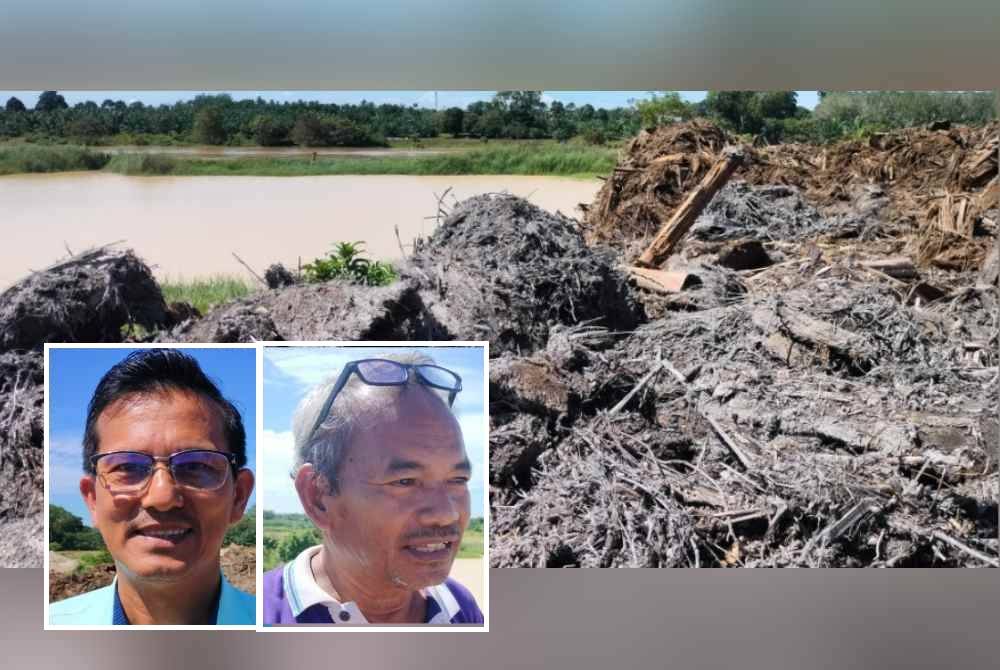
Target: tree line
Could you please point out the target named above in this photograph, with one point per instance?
(219, 120)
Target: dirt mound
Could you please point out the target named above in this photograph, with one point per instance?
(239, 565)
(88, 298)
(335, 310)
(67, 586)
(91, 297)
(501, 269)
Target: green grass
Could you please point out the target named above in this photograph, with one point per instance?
(20, 158)
(555, 160)
(89, 558)
(471, 157)
(206, 292)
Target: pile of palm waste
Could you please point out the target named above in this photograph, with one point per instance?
(808, 377)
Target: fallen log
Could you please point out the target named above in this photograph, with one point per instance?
(677, 227)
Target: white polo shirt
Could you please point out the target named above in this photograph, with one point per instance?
(303, 592)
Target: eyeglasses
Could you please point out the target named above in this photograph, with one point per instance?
(382, 372)
(129, 472)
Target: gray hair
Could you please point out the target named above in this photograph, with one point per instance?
(356, 402)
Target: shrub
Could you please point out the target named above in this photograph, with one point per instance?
(296, 543)
(208, 127)
(346, 262)
(244, 531)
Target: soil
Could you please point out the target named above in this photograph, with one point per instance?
(238, 565)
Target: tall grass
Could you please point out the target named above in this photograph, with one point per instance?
(541, 159)
(19, 158)
(206, 292)
(143, 164)
(501, 160)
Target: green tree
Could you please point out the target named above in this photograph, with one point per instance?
(268, 131)
(14, 105)
(67, 532)
(297, 542)
(663, 108)
(208, 126)
(452, 120)
(244, 531)
(49, 101)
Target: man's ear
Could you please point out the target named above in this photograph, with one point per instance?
(243, 489)
(88, 490)
(313, 488)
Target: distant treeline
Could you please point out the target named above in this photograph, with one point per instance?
(220, 120)
(68, 533)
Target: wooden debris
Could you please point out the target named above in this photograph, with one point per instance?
(674, 230)
(663, 281)
(898, 267)
(990, 271)
(805, 328)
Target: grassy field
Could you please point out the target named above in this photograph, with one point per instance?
(88, 558)
(536, 158)
(281, 527)
(206, 292)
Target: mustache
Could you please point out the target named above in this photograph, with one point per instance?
(148, 519)
(432, 533)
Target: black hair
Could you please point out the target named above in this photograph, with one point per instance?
(158, 370)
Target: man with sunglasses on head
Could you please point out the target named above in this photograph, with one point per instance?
(382, 472)
(163, 455)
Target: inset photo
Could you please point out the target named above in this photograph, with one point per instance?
(150, 485)
(373, 485)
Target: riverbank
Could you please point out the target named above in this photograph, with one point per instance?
(188, 227)
(542, 159)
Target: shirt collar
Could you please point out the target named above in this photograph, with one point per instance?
(303, 592)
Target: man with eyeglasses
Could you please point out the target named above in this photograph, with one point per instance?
(163, 455)
(382, 472)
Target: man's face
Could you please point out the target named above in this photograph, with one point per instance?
(164, 532)
(403, 500)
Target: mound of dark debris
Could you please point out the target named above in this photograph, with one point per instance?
(815, 384)
(497, 268)
(97, 296)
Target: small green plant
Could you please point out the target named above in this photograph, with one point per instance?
(346, 262)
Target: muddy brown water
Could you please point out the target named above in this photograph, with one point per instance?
(190, 226)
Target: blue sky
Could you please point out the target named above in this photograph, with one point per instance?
(73, 376)
(289, 373)
(608, 99)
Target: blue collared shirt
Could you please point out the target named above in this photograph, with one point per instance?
(103, 608)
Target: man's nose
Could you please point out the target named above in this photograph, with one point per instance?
(441, 507)
(162, 492)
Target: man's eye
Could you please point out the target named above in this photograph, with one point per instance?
(406, 482)
(128, 468)
(460, 480)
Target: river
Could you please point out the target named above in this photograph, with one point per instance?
(190, 226)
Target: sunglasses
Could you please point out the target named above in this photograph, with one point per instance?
(129, 472)
(382, 372)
